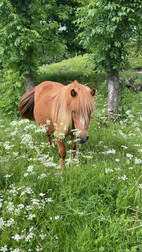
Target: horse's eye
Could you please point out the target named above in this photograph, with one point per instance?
(73, 111)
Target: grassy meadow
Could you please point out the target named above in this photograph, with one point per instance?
(95, 204)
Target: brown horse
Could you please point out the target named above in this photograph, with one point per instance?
(61, 109)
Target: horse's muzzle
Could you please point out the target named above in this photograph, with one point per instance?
(83, 140)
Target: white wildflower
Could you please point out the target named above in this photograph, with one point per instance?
(43, 175)
(129, 155)
(61, 136)
(10, 207)
(50, 164)
(17, 211)
(121, 133)
(28, 190)
(29, 236)
(7, 176)
(17, 237)
(20, 206)
(26, 174)
(38, 248)
(30, 168)
(48, 200)
(100, 142)
(123, 146)
(31, 216)
(107, 170)
(17, 250)
(27, 140)
(89, 157)
(123, 177)
(15, 154)
(140, 186)
(28, 208)
(4, 249)
(10, 222)
(13, 123)
(48, 122)
(55, 126)
(42, 194)
(42, 236)
(44, 128)
(109, 152)
(138, 161)
(117, 169)
(117, 160)
(14, 133)
(7, 145)
(22, 121)
(57, 217)
(35, 202)
(1, 223)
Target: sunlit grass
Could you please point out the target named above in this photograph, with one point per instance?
(94, 205)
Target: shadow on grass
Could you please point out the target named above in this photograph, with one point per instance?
(66, 77)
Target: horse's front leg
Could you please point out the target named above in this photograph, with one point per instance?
(73, 147)
(61, 152)
(49, 139)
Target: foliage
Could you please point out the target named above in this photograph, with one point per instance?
(26, 29)
(94, 205)
(64, 14)
(107, 27)
(11, 89)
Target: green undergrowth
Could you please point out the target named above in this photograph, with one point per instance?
(93, 205)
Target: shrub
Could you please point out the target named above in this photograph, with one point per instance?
(12, 88)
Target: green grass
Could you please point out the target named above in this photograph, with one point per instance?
(95, 203)
(79, 68)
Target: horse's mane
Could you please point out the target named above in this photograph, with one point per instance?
(64, 103)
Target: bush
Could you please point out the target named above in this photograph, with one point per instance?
(12, 88)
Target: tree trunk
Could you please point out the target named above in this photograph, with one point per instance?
(113, 95)
(29, 83)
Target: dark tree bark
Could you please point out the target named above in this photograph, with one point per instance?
(113, 95)
(29, 83)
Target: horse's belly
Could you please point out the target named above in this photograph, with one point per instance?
(42, 112)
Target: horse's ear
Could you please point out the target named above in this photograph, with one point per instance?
(73, 93)
(93, 91)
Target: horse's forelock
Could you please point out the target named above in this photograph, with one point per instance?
(64, 103)
(84, 102)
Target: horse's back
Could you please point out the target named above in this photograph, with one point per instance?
(43, 99)
(46, 88)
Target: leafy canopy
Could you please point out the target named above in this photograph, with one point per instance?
(26, 30)
(107, 27)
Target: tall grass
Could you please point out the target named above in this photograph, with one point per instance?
(93, 205)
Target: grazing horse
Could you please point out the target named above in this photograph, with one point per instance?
(62, 110)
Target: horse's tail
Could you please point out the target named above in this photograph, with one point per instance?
(26, 105)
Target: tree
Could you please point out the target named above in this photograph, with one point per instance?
(65, 16)
(26, 29)
(107, 27)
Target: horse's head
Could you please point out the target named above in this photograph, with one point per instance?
(82, 106)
